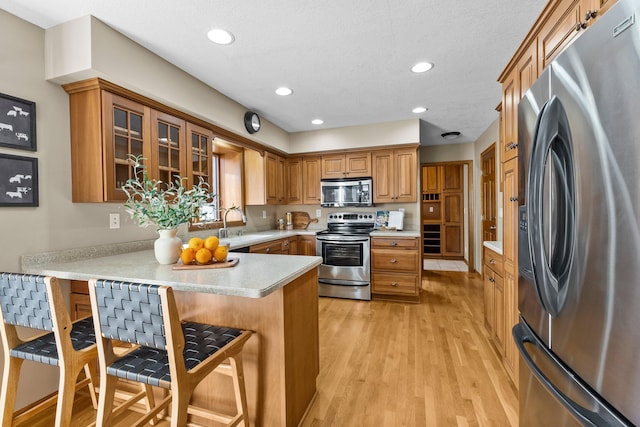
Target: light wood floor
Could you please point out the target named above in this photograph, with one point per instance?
(390, 364)
(393, 364)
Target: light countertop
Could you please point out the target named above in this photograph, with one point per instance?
(255, 275)
(249, 239)
(394, 233)
(495, 246)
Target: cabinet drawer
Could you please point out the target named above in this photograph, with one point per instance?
(391, 259)
(404, 284)
(273, 247)
(402, 243)
(493, 261)
(79, 287)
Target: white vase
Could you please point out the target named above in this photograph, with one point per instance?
(167, 247)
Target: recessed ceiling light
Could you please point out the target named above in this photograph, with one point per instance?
(317, 121)
(421, 67)
(284, 91)
(419, 110)
(220, 36)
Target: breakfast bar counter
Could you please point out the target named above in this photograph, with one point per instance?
(275, 296)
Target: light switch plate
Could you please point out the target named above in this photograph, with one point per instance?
(318, 213)
(264, 214)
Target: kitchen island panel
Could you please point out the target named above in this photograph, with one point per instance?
(281, 359)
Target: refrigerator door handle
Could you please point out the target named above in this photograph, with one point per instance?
(552, 147)
(522, 335)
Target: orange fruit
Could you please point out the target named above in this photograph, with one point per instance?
(220, 253)
(188, 255)
(211, 243)
(203, 256)
(196, 243)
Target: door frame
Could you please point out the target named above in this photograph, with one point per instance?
(468, 188)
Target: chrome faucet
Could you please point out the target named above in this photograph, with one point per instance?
(224, 232)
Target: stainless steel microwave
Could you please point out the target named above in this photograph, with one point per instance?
(343, 192)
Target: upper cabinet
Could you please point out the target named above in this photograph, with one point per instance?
(105, 130)
(560, 23)
(264, 178)
(108, 128)
(311, 175)
(293, 178)
(349, 165)
(395, 175)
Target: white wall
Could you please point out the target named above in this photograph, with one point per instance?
(375, 135)
(86, 47)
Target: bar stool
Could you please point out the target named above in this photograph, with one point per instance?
(36, 302)
(171, 354)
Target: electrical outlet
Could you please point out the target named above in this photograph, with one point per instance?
(114, 220)
(318, 213)
(264, 214)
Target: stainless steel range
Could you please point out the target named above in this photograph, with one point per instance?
(344, 247)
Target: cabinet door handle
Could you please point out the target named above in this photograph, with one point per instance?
(492, 280)
(394, 243)
(393, 261)
(492, 261)
(590, 14)
(394, 284)
(268, 250)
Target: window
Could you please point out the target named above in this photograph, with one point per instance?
(226, 182)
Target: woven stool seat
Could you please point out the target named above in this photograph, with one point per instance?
(150, 365)
(43, 348)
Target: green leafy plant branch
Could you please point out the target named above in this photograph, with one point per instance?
(165, 205)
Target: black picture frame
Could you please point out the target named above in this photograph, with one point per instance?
(17, 123)
(18, 181)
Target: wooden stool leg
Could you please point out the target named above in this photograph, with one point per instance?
(105, 400)
(10, 377)
(238, 387)
(66, 393)
(150, 402)
(179, 406)
(91, 371)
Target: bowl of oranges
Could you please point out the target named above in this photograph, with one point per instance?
(205, 251)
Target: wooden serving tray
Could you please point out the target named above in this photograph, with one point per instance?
(230, 262)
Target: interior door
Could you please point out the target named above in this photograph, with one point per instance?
(488, 186)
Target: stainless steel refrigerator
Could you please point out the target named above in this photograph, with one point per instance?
(579, 231)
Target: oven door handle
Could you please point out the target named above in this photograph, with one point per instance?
(346, 239)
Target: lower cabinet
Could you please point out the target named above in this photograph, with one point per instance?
(280, 246)
(307, 245)
(498, 308)
(79, 300)
(395, 268)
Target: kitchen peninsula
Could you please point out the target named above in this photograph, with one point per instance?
(274, 296)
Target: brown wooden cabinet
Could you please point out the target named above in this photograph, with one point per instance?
(307, 245)
(395, 268)
(395, 175)
(294, 180)
(264, 178)
(311, 175)
(280, 246)
(443, 211)
(107, 128)
(79, 300)
(349, 165)
(510, 214)
(494, 299)
(430, 179)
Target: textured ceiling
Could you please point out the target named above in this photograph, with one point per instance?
(346, 61)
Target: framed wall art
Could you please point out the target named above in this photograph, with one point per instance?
(17, 123)
(18, 181)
